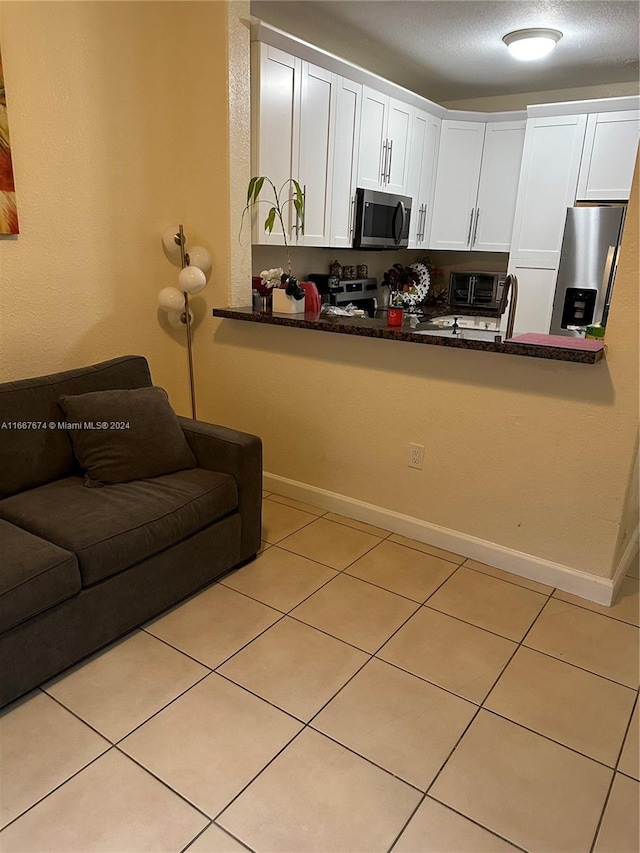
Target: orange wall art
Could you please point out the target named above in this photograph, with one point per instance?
(8, 209)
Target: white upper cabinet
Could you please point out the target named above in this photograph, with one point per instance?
(458, 174)
(498, 190)
(477, 184)
(547, 187)
(421, 173)
(343, 177)
(292, 138)
(276, 97)
(609, 156)
(313, 154)
(384, 142)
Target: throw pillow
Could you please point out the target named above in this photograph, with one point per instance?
(125, 435)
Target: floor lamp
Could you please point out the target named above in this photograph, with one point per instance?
(195, 266)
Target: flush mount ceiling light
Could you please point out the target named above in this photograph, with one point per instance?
(531, 44)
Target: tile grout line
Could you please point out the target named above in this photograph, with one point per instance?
(222, 829)
(57, 787)
(460, 814)
(591, 610)
(613, 777)
(164, 784)
(576, 666)
(508, 580)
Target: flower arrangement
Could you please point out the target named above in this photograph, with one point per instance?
(272, 278)
(408, 285)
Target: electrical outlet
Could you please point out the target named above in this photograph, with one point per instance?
(416, 456)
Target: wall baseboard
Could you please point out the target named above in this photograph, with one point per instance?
(591, 587)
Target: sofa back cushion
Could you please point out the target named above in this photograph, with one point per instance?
(35, 448)
(134, 435)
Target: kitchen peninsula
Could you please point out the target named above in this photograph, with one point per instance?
(565, 349)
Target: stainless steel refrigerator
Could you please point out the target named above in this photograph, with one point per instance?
(587, 269)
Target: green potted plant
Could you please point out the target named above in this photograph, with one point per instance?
(276, 213)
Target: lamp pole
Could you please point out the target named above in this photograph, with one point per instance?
(184, 260)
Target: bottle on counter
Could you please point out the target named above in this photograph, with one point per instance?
(595, 332)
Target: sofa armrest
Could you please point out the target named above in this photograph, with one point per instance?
(239, 454)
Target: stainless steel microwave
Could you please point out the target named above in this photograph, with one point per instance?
(381, 220)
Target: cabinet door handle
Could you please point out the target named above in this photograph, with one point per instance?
(424, 222)
(383, 173)
(390, 150)
(470, 226)
(475, 227)
(422, 216)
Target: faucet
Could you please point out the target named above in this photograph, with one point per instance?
(510, 283)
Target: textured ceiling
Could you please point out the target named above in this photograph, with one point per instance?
(452, 49)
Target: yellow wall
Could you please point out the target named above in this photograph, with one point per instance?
(118, 124)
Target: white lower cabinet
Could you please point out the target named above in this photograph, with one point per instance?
(609, 156)
(423, 154)
(536, 290)
(343, 176)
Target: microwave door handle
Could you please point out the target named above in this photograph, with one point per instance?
(352, 210)
(397, 234)
(472, 289)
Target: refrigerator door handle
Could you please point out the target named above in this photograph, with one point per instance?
(608, 269)
(607, 280)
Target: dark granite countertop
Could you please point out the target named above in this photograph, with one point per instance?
(569, 349)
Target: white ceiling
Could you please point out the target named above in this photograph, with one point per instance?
(453, 49)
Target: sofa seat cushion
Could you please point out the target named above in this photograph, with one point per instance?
(34, 575)
(112, 528)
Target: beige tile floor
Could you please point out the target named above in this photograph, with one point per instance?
(350, 690)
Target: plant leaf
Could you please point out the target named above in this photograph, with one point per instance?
(299, 202)
(252, 184)
(270, 220)
(257, 187)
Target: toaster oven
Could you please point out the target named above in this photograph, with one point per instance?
(476, 289)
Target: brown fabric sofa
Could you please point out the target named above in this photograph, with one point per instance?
(81, 566)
